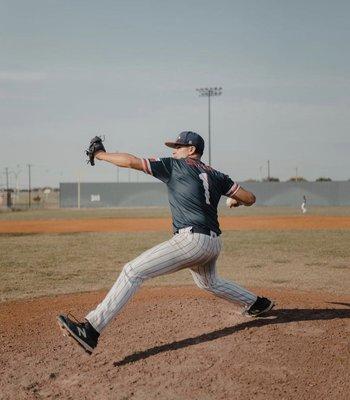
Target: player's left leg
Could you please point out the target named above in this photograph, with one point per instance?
(205, 276)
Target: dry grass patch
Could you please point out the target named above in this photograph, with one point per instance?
(162, 212)
(36, 265)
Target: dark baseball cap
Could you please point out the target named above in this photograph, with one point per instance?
(188, 138)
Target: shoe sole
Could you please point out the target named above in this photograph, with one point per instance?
(270, 307)
(67, 332)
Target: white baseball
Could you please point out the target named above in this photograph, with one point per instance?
(230, 202)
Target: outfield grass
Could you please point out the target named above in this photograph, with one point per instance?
(44, 264)
(160, 212)
(74, 213)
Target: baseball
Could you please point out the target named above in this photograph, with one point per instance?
(230, 202)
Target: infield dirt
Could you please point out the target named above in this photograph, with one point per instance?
(164, 224)
(179, 343)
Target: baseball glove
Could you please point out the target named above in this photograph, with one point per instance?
(95, 146)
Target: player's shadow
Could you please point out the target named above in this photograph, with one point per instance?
(275, 317)
(340, 304)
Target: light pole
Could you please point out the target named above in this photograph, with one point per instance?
(209, 92)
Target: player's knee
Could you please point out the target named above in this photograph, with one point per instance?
(208, 285)
(200, 284)
(131, 273)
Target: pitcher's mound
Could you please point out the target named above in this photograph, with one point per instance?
(179, 343)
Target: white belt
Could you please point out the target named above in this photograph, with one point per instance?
(189, 229)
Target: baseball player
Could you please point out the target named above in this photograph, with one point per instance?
(194, 191)
(303, 205)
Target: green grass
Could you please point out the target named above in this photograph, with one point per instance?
(39, 264)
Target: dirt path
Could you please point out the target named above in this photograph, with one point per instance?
(179, 343)
(164, 224)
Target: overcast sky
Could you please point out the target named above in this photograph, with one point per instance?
(129, 70)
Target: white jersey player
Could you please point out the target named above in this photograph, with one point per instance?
(303, 205)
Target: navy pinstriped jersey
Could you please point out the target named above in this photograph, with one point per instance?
(194, 190)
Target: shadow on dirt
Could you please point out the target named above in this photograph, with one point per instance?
(340, 304)
(280, 317)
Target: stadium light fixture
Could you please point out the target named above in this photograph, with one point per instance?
(209, 92)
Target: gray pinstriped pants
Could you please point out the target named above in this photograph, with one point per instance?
(196, 251)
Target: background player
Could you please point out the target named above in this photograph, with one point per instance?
(303, 205)
(194, 191)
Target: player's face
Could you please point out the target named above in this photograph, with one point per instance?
(182, 151)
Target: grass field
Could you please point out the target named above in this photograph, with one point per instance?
(44, 264)
(158, 212)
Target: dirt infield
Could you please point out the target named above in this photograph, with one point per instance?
(179, 343)
(164, 224)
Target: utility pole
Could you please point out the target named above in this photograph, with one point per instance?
(209, 92)
(8, 194)
(16, 174)
(268, 171)
(296, 174)
(7, 179)
(79, 190)
(29, 185)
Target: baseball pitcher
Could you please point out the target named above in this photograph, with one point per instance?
(194, 191)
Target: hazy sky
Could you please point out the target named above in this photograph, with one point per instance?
(129, 70)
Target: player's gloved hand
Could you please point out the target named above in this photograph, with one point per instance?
(95, 146)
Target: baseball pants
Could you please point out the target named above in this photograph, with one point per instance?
(196, 251)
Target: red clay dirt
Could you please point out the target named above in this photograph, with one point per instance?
(311, 222)
(179, 343)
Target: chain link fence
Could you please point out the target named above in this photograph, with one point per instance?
(21, 200)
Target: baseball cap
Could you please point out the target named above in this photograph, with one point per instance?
(188, 138)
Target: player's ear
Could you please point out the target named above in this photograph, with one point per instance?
(191, 150)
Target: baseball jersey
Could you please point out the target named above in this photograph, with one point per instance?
(194, 190)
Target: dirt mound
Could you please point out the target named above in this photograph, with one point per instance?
(179, 343)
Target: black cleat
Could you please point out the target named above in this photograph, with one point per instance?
(261, 306)
(82, 332)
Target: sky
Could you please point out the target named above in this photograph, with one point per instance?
(129, 69)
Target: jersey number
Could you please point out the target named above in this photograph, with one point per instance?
(204, 178)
